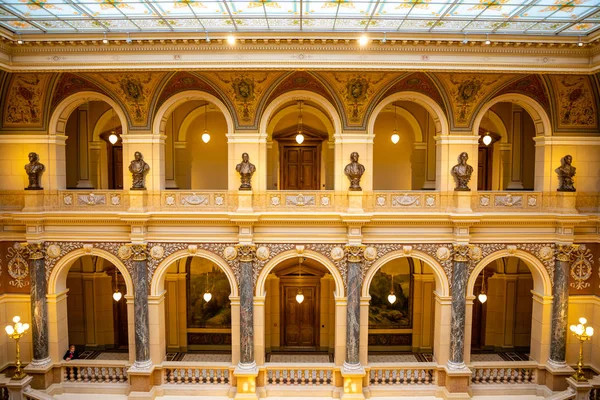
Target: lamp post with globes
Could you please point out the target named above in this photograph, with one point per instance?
(16, 332)
(583, 334)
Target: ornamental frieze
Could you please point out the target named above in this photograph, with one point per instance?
(581, 267)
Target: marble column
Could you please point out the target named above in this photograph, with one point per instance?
(354, 254)
(246, 258)
(39, 307)
(460, 274)
(560, 304)
(140, 306)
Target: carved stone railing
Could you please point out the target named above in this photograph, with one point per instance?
(94, 371)
(278, 200)
(507, 201)
(311, 374)
(504, 373)
(195, 200)
(196, 373)
(405, 374)
(408, 201)
(96, 200)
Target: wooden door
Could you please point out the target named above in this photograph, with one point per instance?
(117, 167)
(299, 319)
(300, 168)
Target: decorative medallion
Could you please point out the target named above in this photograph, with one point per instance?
(581, 268)
(124, 252)
(475, 253)
(68, 199)
(532, 201)
(230, 253)
(170, 199)
(194, 200)
(157, 252)
(275, 201)
(192, 249)
(219, 199)
(546, 253)
(380, 201)
(484, 201)
(325, 201)
(337, 253)
(430, 201)
(406, 201)
(511, 249)
(442, 253)
(262, 253)
(53, 251)
(370, 253)
(115, 200)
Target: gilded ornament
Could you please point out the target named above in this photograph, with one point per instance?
(157, 252)
(18, 268)
(354, 252)
(53, 251)
(246, 252)
(337, 253)
(124, 252)
(462, 252)
(511, 249)
(442, 253)
(139, 251)
(88, 248)
(564, 251)
(475, 253)
(230, 253)
(546, 253)
(192, 249)
(407, 250)
(262, 253)
(370, 253)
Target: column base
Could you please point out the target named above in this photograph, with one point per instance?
(42, 373)
(352, 378)
(141, 381)
(245, 375)
(457, 380)
(556, 375)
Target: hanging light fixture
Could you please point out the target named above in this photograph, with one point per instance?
(395, 136)
(207, 295)
(113, 137)
(487, 139)
(392, 295)
(299, 295)
(205, 135)
(299, 135)
(117, 294)
(482, 296)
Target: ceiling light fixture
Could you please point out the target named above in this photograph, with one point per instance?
(392, 295)
(206, 135)
(487, 138)
(363, 40)
(299, 135)
(105, 40)
(19, 40)
(231, 39)
(113, 137)
(207, 38)
(482, 295)
(395, 136)
(487, 40)
(384, 38)
(207, 295)
(117, 294)
(299, 295)
(465, 40)
(580, 43)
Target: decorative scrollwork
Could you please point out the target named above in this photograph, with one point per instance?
(581, 267)
(18, 267)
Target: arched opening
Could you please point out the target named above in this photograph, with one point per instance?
(401, 312)
(89, 293)
(198, 312)
(408, 164)
(507, 162)
(300, 147)
(93, 161)
(502, 311)
(196, 147)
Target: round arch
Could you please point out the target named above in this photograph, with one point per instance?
(57, 282)
(499, 125)
(412, 121)
(181, 136)
(294, 110)
(104, 119)
(541, 279)
(313, 255)
(442, 285)
(157, 285)
(435, 111)
(60, 115)
(296, 95)
(161, 116)
(540, 118)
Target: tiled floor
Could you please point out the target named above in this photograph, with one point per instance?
(113, 356)
(207, 357)
(392, 358)
(486, 357)
(300, 358)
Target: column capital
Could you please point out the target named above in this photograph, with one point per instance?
(462, 252)
(354, 252)
(564, 251)
(139, 251)
(246, 252)
(35, 251)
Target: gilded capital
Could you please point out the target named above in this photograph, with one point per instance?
(355, 252)
(246, 252)
(462, 252)
(564, 251)
(36, 250)
(139, 252)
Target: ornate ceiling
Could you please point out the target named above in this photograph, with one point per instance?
(494, 17)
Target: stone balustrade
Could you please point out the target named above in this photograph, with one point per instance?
(404, 374)
(312, 374)
(504, 373)
(94, 371)
(196, 373)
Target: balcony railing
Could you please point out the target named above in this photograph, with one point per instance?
(408, 201)
(403, 375)
(504, 373)
(310, 374)
(94, 371)
(196, 373)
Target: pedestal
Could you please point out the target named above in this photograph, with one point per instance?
(33, 200)
(17, 387)
(556, 377)
(353, 383)
(245, 201)
(138, 200)
(40, 377)
(355, 202)
(141, 383)
(581, 389)
(565, 202)
(456, 383)
(246, 383)
(462, 202)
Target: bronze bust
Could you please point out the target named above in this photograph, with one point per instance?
(34, 171)
(138, 168)
(246, 170)
(565, 173)
(462, 172)
(354, 171)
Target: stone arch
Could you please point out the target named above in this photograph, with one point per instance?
(57, 281)
(157, 284)
(497, 121)
(538, 114)
(441, 280)
(293, 109)
(167, 107)
(435, 111)
(60, 115)
(296, 95)
(412, 121)
(542, 283)
(313, 255)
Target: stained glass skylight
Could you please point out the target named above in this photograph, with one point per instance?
(518, 17)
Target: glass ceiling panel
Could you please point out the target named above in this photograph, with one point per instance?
(520, 17)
